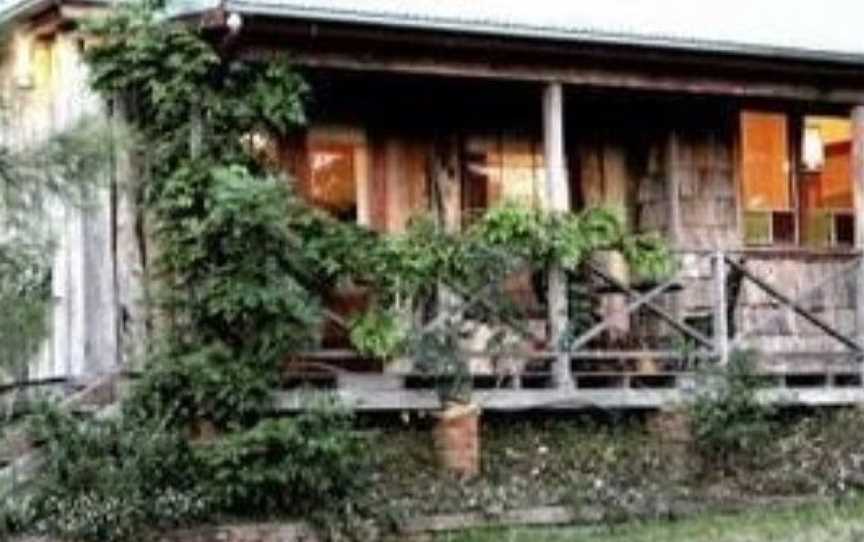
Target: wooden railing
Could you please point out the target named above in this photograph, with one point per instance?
(718, 276)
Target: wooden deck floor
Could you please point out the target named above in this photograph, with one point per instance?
(621, 391)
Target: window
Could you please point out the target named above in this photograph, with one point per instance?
(503, 168)
(796, 179)
(334, 173)
(43, 64)
(333, 179)
(766, 184)
(827, 215)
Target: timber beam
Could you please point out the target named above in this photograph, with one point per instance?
(346, 47)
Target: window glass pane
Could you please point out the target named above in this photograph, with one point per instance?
(765, 159)
(757, 227)
(826, 181)
(43, 63)
(504, 167)
(333, 179)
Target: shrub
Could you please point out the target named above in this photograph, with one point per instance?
(729, 419)
(299, 466)
(126, 479)
(378, 333)
(110, 480)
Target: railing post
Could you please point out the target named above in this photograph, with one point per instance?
(859, 300)
(557, 200)
(858, 191)
(721, 328)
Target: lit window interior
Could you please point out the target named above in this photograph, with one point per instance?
(333, 179)
(826, 181)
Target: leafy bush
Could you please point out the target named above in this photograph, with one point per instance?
(205, 384)
(378, 333)
(228, 260)
(126, 479)
(110, 480)
(300, 466)
(25, 294)
(729, 419)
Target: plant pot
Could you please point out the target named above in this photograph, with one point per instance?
(457, 439)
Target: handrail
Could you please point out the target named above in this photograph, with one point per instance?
(776, 252)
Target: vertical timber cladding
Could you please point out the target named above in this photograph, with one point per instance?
(622, 150)
(44, 84)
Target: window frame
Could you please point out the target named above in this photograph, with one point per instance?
(795, 122)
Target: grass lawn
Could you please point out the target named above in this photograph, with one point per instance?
(815, 523)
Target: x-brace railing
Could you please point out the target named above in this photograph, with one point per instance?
(639, 300)
(796, 304)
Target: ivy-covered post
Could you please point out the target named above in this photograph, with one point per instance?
(557, 200)
(131, 239)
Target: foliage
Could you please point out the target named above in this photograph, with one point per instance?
(302, 466)
(63, 168)
(25, 294)
(127, 478)
(408, 271)
(232, 300)
(228, 282)
(533, 461)
(208, 219)
(111, 480)
(168, 79)
(241, 268)
(378, 333)
(730, 420)
(438, 352)
(66, 167)
(202, 384)
(235, 312)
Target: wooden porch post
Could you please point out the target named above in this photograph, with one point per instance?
(557, 200)
(721, 329)
(673, 191)
(673, 200)
(858, 190)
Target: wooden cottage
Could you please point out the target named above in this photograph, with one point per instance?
(734, 131)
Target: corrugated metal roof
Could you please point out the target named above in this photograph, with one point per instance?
(829, 30)
(810, 29)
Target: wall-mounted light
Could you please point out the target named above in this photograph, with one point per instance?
(234, 23)
(813, 149)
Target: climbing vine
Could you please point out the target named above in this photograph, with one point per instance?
(230, 301)
(241, 268)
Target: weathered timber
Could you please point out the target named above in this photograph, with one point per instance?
(557, 200)
(720, 322)
(858, 195)
(844, 271)
(575, 399)
(638, 302)
(672, 320)
(796, 307)
(427, 53)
